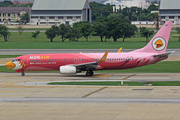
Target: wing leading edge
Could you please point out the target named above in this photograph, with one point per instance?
(92, 65)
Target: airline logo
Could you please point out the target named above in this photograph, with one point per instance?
(159, 44)
(38, 57)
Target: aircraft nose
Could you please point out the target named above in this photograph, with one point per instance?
(10, 65)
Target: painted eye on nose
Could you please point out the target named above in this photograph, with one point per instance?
(10, 65)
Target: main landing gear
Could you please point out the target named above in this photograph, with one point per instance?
(23, 74)
(90, 73)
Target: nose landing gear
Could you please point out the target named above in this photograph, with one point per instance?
(90, 73)
(23, 74)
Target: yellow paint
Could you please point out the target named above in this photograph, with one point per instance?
(129, 76)
(119, 51)
(44, 57)
(103, 59)
(10, 65)
(94, 92)
(159, 44)
(102, 76)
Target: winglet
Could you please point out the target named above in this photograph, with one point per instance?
(119, 51)
(103, 59)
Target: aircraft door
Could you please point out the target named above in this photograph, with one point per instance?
(25, 60)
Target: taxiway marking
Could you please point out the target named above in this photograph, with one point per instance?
(94, 92)
(129, 76)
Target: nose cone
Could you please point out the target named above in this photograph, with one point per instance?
(10, 65)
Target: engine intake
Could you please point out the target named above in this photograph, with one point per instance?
(68, 70)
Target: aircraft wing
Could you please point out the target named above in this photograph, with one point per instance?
(164, 54)
(92, 65)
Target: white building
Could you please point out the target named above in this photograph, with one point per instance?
(133, 3)
(170, 11)
(127, 3)
(56, 12)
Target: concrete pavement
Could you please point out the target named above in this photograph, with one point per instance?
(66, 102)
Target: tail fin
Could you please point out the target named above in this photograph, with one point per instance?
(159, 42)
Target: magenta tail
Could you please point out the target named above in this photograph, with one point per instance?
(159, 42)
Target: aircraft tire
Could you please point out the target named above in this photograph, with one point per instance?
(23, 74)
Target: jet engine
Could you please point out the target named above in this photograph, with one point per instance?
(68, 70)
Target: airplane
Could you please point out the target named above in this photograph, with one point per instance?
(73, 63)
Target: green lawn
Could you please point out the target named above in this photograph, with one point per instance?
(25, 41)
(160, 67)
(118, 83)
(108, 83)
(30, 28)
(8, 56)
(167, 83)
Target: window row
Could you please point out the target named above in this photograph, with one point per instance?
(170, 17)
(60, 17)
(118, 59)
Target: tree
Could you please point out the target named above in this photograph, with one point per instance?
(146, 33)
(178, 31)
(20, 30)
(25, 17)
(63, 30)
(115, 28)
(51, 33)
(129, 31)
(4, 32)
(6, 4)
(35, 34)
(73, 34)
(100, 10)
(157, 18)
(152, 7)
(100, 29)
(134, 16)
(86, 30)
(27, 5)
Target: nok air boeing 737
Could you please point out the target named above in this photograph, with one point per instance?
(73, 63)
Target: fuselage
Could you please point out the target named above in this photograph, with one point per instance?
(114, 61)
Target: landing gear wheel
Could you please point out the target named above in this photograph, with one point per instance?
(23, 74)
(89, 73)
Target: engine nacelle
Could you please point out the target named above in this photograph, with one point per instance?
(68, 70)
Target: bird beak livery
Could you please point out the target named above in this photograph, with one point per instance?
(15, 64)
(73, 63)
(10, 65)
(159, 44)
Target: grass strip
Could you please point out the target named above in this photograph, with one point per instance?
(166, 83)
(118, 83)
(9, 56)
(109, 83)
(25, 41)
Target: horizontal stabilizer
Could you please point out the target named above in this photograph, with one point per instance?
(164, 54)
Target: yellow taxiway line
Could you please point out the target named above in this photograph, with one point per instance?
(94, 92)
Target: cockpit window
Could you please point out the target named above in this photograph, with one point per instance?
(16, 60)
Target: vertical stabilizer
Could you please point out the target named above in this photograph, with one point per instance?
(159, 42)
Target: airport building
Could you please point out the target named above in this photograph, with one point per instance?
(12, 13)
(56, 12)
(170, 11)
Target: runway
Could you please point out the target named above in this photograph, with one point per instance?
(21, 100)
(39, 51)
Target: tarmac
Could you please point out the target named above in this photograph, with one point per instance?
(29, 97)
